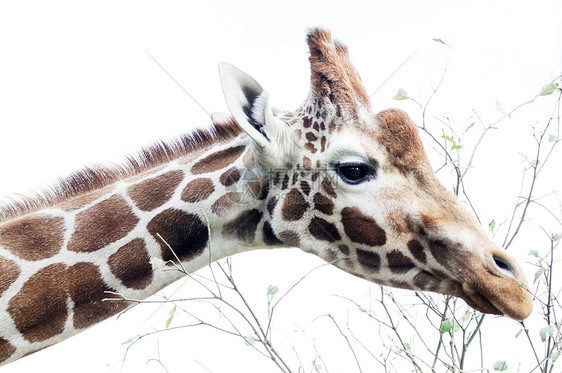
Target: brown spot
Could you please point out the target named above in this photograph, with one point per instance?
(243, 227)
(249, 160)
(285, 184)
(269, 237)
(298, 133)
(344, 249)
(305, 187)
(323, 144)
(152, 193)
(307, 122)
(257, 188)
(271, 204)
(290, 238)
(310, 147)
(417, 250)
(440, 252)
(295, 177)
(102, 224)
(87, 290)
(323, 230)
(197, 190)
(9, 272)
(185, 233)
(217, 160)
(426, 281)
(361, 228)
(39, 309)
(6, 349)
(323, 204)
(294, 206)
(398, 262)
(230, 176)
(131, 264)
(310, 136)
(316, 125)
(306, 163)
(328, 187)
(34, 237)
(226, 203)
(369, 259)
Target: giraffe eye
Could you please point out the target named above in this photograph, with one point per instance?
(355, 173)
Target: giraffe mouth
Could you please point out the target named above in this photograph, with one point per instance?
(496, 296)
(478, 301)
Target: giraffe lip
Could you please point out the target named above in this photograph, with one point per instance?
(478, 301)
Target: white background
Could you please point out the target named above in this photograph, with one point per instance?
(78, 86)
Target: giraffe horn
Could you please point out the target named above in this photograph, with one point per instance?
(332, 73)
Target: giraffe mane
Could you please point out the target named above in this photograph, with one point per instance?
(92, 178)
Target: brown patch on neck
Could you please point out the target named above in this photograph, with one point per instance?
(39, 309)
(102, 224)
(154, 192)
(33, 237)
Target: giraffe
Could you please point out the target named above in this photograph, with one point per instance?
(332, 178)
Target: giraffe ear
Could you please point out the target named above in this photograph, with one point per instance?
(249, 104)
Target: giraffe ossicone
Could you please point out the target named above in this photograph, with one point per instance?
(332, 178)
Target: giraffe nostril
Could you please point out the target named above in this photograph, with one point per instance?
(503, 265)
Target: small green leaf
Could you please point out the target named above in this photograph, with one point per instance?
(535, 162)
(448, 139)
(554, 138)
(500, 365)
(534, 253)
(492, 225)
(250, 340)
(548, 89)
(538, 274)
(518, 333)
(272, 290)
(362, 310)
(469, 127)
(456, 146)
(446, 325)
(547, 331)
(439, 40)
(401, 95)
(128, 341)
(556, 237)
(554, 356)
(172, 313)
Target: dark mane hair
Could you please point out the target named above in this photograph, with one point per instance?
(94, 178)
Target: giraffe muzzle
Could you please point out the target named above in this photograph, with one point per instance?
(499, 287)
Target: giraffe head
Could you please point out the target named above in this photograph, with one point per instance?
(357, 189)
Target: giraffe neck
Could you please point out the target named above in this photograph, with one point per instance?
(58, 263)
